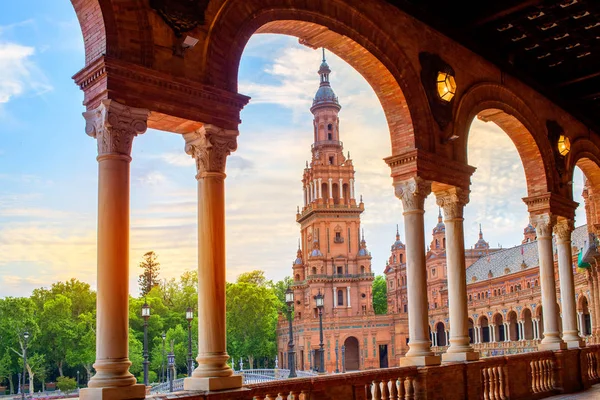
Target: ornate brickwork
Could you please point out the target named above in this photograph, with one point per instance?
(114, 126)
(210, 146)
(413, 193)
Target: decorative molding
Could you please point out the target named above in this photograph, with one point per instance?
(114, 126)
(563, 229)
(543, 224)
(551, 203)
(210, 146)
(413, 193)
(181, 15)
(453, 202)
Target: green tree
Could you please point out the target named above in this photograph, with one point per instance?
(66, 384)
(251, 320)
(279, 288)
(83, 350)
(136, 354)
(58, 327)
(35, 363)
(5, 367)
(255, 277)
(149, 278)
(380, 295)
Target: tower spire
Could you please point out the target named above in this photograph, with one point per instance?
(397, 232)
(323, 48)
(439, 214)
(480, 232)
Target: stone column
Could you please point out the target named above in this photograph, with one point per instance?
(341, 188)
(334, 297)
(453, 202)
(320, 188)
(352, 189)
(492, 330)
(413, 193)
(593, 300)
(562, 232)
(543, 225)
(447, 337)
(305, 197)
(348, 295)
(310, 192)
(330, 181)
(507, 332)
(580, 322)
(210, 146)
(114, 126)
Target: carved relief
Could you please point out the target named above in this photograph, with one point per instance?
(453, 202)
(543, 224)
(181, 15)
(210, 146)
(563, 229)
(413, 193)
(114, 125)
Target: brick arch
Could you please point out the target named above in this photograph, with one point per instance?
(585, 154)
(115, 28)
(340, 28)
(494, 102)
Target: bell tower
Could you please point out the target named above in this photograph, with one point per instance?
(334, 252)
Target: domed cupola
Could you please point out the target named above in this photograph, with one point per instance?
(529, 234)
(363, 247)
(481, 243)
(325, 95)
(440, 227)
(299, 260)
(398, 245)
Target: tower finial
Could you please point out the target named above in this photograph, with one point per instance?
(323, 48)
(439, 214)
(397, 232)
(298, 243)
(480, 232)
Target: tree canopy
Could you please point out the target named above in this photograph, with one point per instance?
(380, 295)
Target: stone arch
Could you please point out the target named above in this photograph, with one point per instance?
(484, 327)
(583, 313)
(440, 330)
(513, 332)
(494, 102)
(540, 317)
(352, 354)
(338, 26)
(498, 321)
(471, 330)
(126, 34)
(526, 316)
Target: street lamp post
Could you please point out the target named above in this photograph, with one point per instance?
(337, 364)
(289, 299)
(343, 358)
(77, 379)
(171, 362)
(320, 303)
(162, 361)
(145, 315)
(189, 316)
(19, 385)
(25, 337)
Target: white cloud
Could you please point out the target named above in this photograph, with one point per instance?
(20, 74)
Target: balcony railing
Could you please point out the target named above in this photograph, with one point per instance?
(522, 376)
(327, 143)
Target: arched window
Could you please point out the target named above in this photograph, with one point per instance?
(394, 258)
(329, 132)
(401, 259)
(297, 277)
(512, 289)
(536, 283)
(437, 244)
(314, 270)
(444, 242)
(362, 269)
(528, 285)
(340, 299)
(478, 296)
(470, 298)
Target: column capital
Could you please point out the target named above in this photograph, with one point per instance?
(413, 193)
(543, 224)
(115, 125)
(563, 229)
(452, 201)
(210, 146)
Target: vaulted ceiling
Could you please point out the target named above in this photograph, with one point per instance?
(552, 45)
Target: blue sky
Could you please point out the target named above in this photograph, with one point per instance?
(48, 171)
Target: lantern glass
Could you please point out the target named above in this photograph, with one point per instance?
(319, 299)
(189, 314)
(446, 86)
(145, 310)
(289, 296)
(564, 145)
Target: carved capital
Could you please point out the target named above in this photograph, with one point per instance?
(115, 125)
(413, 193)
(563, 229)
(543, 224)
(210, 146)
(453, 202)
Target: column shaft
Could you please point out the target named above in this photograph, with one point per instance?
(453, 201)
(543, 225)
(210, 146)
(413, 193)
(114, 126)
(562, 232)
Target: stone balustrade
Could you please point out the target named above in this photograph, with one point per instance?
(533, 375)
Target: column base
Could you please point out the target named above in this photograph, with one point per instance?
(575, 344)
(420, 361)
(552, 346)
(212, 384)
(113, 393)
(459, 357)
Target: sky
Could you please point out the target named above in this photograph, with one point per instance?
(48, 168)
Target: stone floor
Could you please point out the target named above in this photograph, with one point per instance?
(592, 394)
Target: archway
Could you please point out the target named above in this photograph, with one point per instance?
(484, 329)
(513, 331)
(585, 320)
(527, 324)
(352, 354)
(500, 334)
(471, 331)
(540, 317)
(440, 330)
